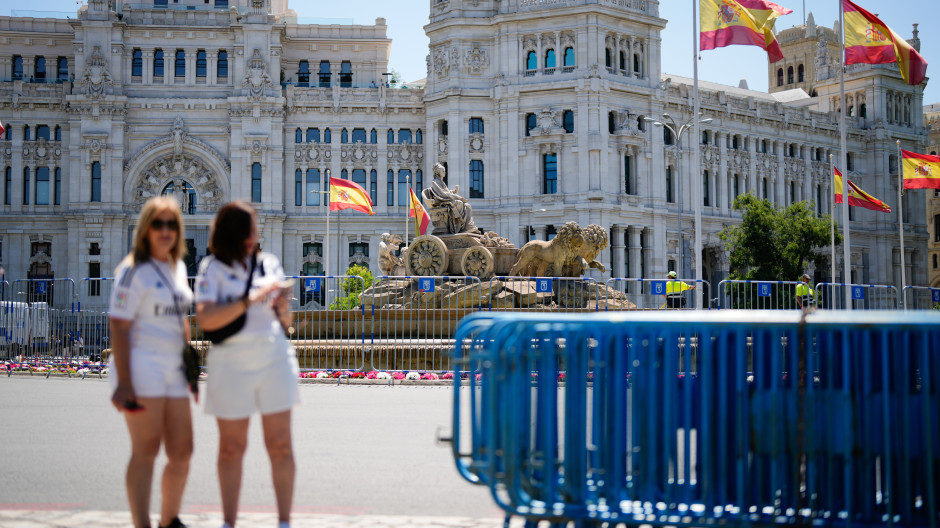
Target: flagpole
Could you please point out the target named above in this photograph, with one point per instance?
(832, 221)
(696, 170)
(408, 214)
(328, 234)
(901, 220)
(846, 243)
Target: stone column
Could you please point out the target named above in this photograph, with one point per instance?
(540, 232)
(147, 77)
(616, 251)
(634, 240)
(752, 175)
(725, 174)
(190, 67)
(539, 59)
(212, 58)
(780, 189)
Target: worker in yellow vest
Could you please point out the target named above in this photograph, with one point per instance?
(674, 291)
(805, 296)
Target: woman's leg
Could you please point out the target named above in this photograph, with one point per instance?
(277, 439)
(233, 439)
(146, 429)
(178, 444)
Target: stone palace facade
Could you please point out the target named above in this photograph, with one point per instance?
(536, 107)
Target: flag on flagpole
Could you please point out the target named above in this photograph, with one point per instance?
(921, 171)
(419, 213)
(749, 22)
(869, 41)
(857, 196)
(346, 194)
(2, 130)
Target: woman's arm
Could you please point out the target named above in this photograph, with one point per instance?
(212, 316)
(121, 349)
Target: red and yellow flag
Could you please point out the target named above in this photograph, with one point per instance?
(419, 213)
(748, 22)
(2, 130)
(346, 194)
(869, 41)
(857, 196)
(921, 171)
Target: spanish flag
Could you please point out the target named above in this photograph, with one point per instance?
(748, 22)
(419, 213)
(857, 196)
(2, 130)
(869, 41)
(920, 170)
(346, 194)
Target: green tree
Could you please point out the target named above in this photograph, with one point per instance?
(775, 243)
(395, 77)
(352, 287)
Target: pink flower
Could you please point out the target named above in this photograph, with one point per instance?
(398, 375)
(372, 375)
(479, 377)
(429, 376)
(336, 374)
(561, 376)
(448, 376)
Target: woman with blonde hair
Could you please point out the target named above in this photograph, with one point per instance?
(242, 305)
(149, 304)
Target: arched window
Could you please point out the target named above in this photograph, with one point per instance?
(344, 174)
(298, 136)
(303, 74)
(62, 68)
(359, 176)
(419, 137)
(706, 198)
(567, 120)
(569, 57)
(390, 138)
(324, 74)
(476, 125)
(313, 135)
(390, 190)
(531, 61)
(42, 185)
(186, 196)
(373, 137)
(667, 136)
(313, 187)
(221, 68)
(800, 73)
(42, 132)
(201, 63)
(636, 64)
(476, 179)
(8, 186)
(530, 123)
(39, 69)
(26, 134)
(345, 74)
(158, 63)
(608, 60)
(137, 63)
(404, 177)
(256, 182)
(327, 136)
(623, 60)
(611, 122)
(374, 185)
(179, 65)
(58, 186)
(549, 173)
(789, 74)
(17, 67)
(779, 76)
(404, 135)
(96, 181)
(26, 186)
(344, 136)
(298, 187)
(863, 111)
(550, 58)
(359, 135)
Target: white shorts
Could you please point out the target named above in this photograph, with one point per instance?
(154, 374)
(251, 374)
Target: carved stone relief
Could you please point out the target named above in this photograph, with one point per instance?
(476, 60)
(96, 81)
(179, 170)
(360, 153)
(256, 76)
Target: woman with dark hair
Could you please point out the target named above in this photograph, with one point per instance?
(254, 369)
(148, 305)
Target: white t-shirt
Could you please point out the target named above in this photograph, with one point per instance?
(141, 295)
(219, 283)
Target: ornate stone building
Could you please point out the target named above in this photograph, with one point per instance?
(932, 121)
(536, 107)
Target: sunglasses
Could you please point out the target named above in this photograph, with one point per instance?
(169, 224)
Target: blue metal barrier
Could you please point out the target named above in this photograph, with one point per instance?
(701, 419)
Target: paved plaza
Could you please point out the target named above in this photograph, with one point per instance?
(366, 456)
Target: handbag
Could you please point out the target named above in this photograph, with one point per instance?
(190, 354)
(221, 334)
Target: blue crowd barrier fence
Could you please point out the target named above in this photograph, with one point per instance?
(704, 418)
(920, 298)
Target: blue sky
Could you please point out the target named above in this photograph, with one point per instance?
(406, 19)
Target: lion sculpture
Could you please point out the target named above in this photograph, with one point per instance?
(389, 263)
(595, 241)
(539, 258)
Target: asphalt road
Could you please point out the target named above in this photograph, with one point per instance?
(360, 450)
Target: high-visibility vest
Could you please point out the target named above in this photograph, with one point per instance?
(805, 292)
(674, 288)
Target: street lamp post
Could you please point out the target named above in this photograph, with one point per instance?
(679, 130)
